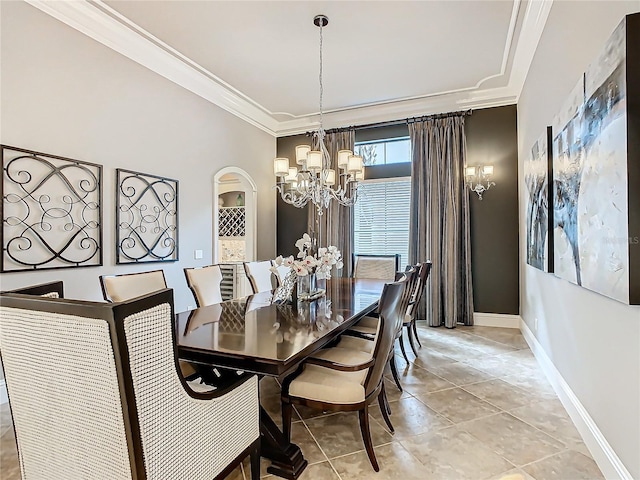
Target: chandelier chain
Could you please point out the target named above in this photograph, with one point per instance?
(320, 75)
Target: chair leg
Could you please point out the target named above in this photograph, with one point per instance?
(404, 353)
(415, 331)
(394, 372)
(287, 411)
(255, 463)
(411, 342)
(366, 437)
(384, 405)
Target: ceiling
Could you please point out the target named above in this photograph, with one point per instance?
(382, 60)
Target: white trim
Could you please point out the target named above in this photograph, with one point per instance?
(496, 320)
(4, 398)
(604, 455)
(105, 25)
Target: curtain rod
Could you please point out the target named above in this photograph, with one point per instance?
(404, 121)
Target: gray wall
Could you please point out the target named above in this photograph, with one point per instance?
(593, 341)
(65, 94)
(491, 139)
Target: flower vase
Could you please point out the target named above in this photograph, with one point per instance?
(306, 286)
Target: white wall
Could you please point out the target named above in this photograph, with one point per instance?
(593, 341)
(65, 94)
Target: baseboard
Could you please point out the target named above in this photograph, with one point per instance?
(496, 320)
(606, 458)
(3, 392)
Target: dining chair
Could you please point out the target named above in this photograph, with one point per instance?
(412, 311)
(50, 289)
(112, 404)
(204, 283)
(119, 288)
(259, 275)
(362, 335)
(340, 379)
(382, 267)
(280, 271)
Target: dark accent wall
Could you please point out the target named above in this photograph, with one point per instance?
(491, 139)
(291, 222)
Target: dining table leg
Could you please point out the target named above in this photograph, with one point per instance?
(286, 457)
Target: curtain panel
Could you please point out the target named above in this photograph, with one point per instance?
(439, 225)
(336, 224)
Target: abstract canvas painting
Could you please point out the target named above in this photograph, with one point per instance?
(538, 180)
(591, 177)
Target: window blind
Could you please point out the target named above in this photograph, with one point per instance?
(381, 218)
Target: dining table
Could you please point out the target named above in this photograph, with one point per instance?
(270, 337)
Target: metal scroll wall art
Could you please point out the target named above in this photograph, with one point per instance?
(146, 218)
(51, 211)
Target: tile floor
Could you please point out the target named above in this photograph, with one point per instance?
(475, 406)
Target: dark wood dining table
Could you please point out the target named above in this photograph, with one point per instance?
(254, 334)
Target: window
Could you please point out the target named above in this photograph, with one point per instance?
(381, 218)
(383, 152)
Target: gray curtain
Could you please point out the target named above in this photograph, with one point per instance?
(439, 227)
(336, 224)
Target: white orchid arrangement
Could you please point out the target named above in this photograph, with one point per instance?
(321, 263)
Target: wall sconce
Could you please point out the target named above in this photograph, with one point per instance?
(478, 179)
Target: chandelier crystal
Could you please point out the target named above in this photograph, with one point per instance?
(312, 180)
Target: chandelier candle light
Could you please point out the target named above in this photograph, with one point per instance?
(315, 181)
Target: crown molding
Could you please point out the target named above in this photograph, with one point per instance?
(103, 24)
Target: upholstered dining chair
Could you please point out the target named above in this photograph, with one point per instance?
(204, 283)
(50, 289)
(259, 275)
(381, 267)
(362, 335)
(343, 379)
(119, 288)
(412, 311)
(281, 271)
(112, 404)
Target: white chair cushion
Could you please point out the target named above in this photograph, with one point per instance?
(125, 287)
(261, 274)
(205, 282)
(332, 386)
(355, 343)
(383, 268)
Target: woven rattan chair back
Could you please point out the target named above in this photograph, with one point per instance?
(390, 314)
(382, 267)
(112, 405)
(119, 288)
(204, 283)
(259, 275)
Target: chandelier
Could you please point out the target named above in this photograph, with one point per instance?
(312, 180)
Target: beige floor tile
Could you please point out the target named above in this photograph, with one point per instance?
(392, 391)
(310, 450)
(513, 474)
(454, 454)
(459, 373)
(395, 463)
(551, 417)
(269, 386)
(410, 416)
(563, 466)
(339, 434)
(506, 336)
(486, 345)
(428, 358)
(534, 382)
(515, 440)
(319, 471)
(501, 394)
(417, 380)
(237, 474)
(500, 365)
(9, 466)
(458, 405)
(522, 357)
